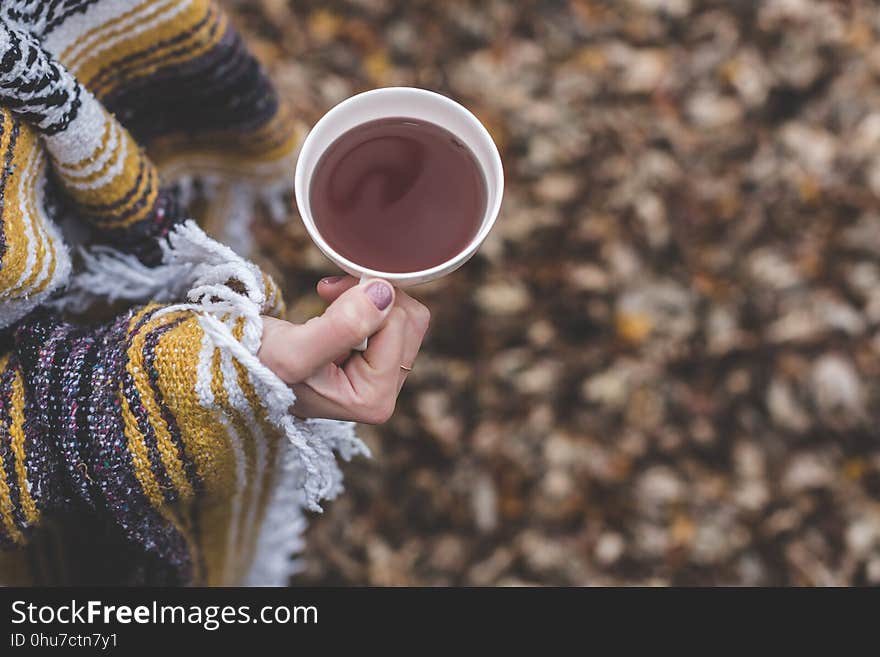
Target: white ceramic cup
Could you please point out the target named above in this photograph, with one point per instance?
(412, 103)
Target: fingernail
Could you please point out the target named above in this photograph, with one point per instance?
(380, 294)
(330, 280)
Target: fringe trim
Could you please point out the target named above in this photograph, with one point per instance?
(231, 198)
(280, 537)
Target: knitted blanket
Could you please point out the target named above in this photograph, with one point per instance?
(154, 448)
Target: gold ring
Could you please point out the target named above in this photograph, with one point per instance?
(405, 368)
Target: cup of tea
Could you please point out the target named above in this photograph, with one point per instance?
(399, 183)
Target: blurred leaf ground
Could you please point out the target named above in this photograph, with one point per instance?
(663, 367)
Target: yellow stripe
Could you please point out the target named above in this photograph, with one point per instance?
(232, 151)
(16, 430)
(86, 49)
(204, 438)
(34, 175)
(141, 462)
(145, 193)
(139, 457)
(198, 44)
(182, 22)
(164, 443)
(110, 161)
(248, 440)
(275, 306)
(83, 163)
(25, 192)
(137, 447)
(27, 189)
(271, 143)
(32, 204)
(236, 167)
(147, 64)
(119, 185)
(6, 508)
(17, 243)
(225, 142)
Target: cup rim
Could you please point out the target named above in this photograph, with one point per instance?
(444, 267)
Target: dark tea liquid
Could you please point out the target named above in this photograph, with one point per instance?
(398, 195)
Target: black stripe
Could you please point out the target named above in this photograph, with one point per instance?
(133, 398)
(78, 8)
(13, 54)
(223, 90)
(112, 462)
(116, 68)
(7, 456)
(69, 116)
(100, 208)
(76, 439)
(34, 339)
(152, 181)
(22, 17)
(53, 79)
(150, 343)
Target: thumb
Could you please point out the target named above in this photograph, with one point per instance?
(352, 318)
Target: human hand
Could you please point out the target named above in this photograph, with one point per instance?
(316, 358)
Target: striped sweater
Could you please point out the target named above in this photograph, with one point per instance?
(153, 447)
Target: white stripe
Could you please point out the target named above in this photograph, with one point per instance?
(98, 163)
(81, 47)
(134, 30)
(203, 373)
(82, 138)
(206, 400)
(116, 169)
(36, 173)
(12, 309)
(71, 30)
(283, 525)
(28, 221)
(239, 402)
